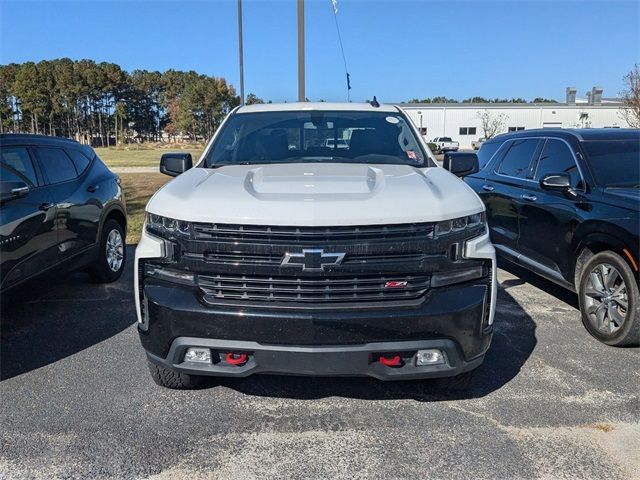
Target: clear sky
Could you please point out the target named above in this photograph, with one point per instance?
(396, 50)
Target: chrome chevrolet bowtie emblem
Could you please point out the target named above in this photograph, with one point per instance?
(312, 259)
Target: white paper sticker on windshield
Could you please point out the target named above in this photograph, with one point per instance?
(392, 120)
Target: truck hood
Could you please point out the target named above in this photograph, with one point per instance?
(315, 194)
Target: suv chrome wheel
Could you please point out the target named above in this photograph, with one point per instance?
(606, 298)
(114, 250)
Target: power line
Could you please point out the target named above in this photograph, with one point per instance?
(334, 7)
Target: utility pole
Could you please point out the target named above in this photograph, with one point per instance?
(240, 51)
(301, 95)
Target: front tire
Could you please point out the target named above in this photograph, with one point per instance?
(109, 265)
(165, 377)
(610, 300)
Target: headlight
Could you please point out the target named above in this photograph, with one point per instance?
(475, 224)
(166, 227)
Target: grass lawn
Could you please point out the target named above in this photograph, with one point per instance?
(142, 157)
(138, 188)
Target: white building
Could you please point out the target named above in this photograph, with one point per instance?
(461, 121)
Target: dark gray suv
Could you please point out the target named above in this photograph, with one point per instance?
(565, 204)
(60, 206)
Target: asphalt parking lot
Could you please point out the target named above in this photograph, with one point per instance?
(77, 402)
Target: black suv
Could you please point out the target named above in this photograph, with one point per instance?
(565, 204)
(59, 206)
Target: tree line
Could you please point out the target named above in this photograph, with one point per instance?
(101, 104)
(481, 100)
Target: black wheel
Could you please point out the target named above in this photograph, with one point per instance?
(110, 262)
(609, 300)
(168, 378)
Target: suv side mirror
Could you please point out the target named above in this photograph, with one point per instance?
(461, 164)
(556, 182)
(12, 190)
(173, 164)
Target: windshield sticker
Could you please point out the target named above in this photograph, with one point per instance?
(392, 120)
(412, 155)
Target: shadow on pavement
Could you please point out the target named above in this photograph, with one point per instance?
(513, 341)
(525, 276)
(51, 318)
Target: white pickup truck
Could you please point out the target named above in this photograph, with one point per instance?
(284, 251)
(476, 144)
(445, 144)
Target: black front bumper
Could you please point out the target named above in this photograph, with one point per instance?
(340, 360)
(331, 341)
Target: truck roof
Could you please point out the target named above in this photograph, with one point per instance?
(303, 106)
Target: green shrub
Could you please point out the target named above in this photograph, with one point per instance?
(433, 147)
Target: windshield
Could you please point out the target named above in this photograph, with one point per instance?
(615, 163)
(316, 136)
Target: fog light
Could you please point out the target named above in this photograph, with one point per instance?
(429, 357)
(198, 354)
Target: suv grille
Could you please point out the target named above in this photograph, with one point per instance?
(302, 289)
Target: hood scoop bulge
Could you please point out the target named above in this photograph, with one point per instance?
(314, 180)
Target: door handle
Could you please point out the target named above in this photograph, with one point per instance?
(46, 206)
(488, 188)
(529, 197)
(92, 188)
(20, 190)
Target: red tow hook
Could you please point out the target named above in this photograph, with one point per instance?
(240, 360)
(390, 362)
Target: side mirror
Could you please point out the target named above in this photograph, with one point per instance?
(12, 190)
(173, 164)
(461, 164)
(556, 182)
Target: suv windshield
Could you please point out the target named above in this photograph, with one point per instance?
(317, 136)
(614, 162)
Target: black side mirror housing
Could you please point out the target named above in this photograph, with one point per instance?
(556, 182)
(11, 190)
(461, 164)
(173, 164)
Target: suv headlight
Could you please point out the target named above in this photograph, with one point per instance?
(474, 224)
(166, 227)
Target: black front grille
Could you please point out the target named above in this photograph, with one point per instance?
(304, 289)
(275, 259)
(244, 263)
(250, 234)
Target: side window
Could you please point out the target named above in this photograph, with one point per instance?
(486, 153)
(79, 160)
(8, 174)
(517, 160)
(17, 162)
(557, 158)
(57, 166)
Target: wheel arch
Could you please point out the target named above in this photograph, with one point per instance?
(115, 212)
(595, 237)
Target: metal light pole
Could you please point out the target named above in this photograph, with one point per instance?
(301, 95)
(240, 51)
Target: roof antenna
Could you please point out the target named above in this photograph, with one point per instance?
(374, 102)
